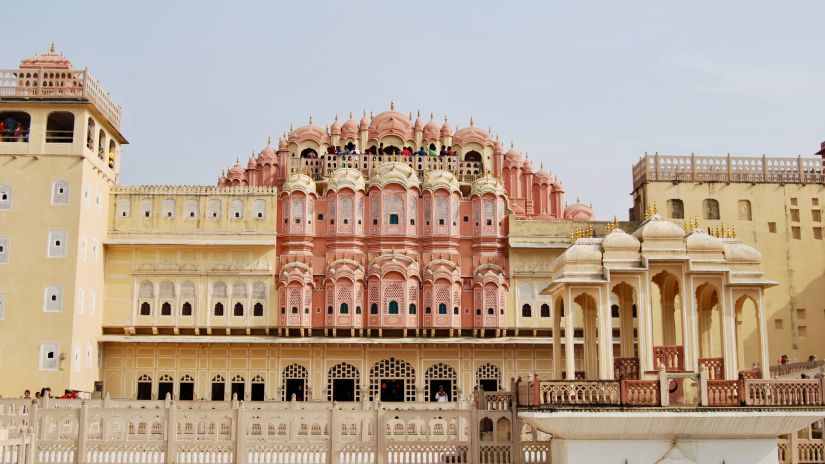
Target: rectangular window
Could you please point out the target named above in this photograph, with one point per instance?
(796, 232)
(259, 208)
(80, 298)
(89, 354)
(92, 301)
(803, 331)
(57, 244)
(124, 207)
(53, 299)
(60, 192)
(794, 201)
(795, 215)
(778, 324)
(818, 233)
(49, 356)
(5, 196)
(772, 227)
(86, 196)
(97, 203)
(4, 250)
(801, 313)
(2, 306)
(816, 215)
(76, 359)
(83, 248)
(95, 249)
(814, 201)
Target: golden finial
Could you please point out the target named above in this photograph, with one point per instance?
(472, 123)
(431, 117)
(733, 231)
(392, 105)
(445, 119)
(655, 208)
(647, 213)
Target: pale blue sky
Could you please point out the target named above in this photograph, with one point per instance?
(584, 87)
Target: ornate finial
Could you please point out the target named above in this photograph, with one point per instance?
(53, 49)
(336, 117)
(655, 208)
(541, 165)
(310, 119)
(371, 115)
(578, 200)
(431, 117)
(392, 105)
(237, 160)
(733, 231)
(410, 115)
(269, 141)
(472, 123)
(350, 115)
(290, 128)
(512, 144)
(418, 113)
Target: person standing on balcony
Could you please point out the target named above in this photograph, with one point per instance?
(441, 396)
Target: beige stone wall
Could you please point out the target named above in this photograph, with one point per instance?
(125, 362)
(785, 225)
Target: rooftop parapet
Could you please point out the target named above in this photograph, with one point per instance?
(692, 168)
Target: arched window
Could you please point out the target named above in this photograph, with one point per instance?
(145, 309)
(357, 310)
(309, 153)
(344, 308)
(329, 310)
(710, 207)
(101, 143)
(294, 310)
(412, 308)
(219, 309)
(675, 209)
(60, 127)
(745, 210)
(472, 156)
(374, 308)
(144, 388)
(258, 310)
(545, 310)
(186, 309)
(526, 310)
(16, 125)
(393, 219)
(238, 310)
(166, 309)
(90, 134)
(442, 308)
(393, 307)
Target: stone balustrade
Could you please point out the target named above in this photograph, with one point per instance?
(723, 393)
(782, 370)
(626, 368)
(576, 392)
(715, 367)
(671, 356)
(783, 392)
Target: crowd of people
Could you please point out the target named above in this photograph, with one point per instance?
(46, 392)
(12, 130)
(351, 149)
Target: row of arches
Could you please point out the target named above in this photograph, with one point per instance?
(710, 209)
(389, 380)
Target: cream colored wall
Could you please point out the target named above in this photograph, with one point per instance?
(125, 362)
(30, 169)
(795, 308)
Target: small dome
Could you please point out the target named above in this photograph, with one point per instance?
(346, 178)
(282, 146)
(446, 130)
(543, 176)
(738, 252)
(365, 123)
(583, 251)
(252, 163)
(393, 173)
(391, 123)
(512, 154)
(658, 227)
(236, 172)
(472, 134)
(418, 125)
(299, 182)
(527, 166)
(48, 60)
(487, 184)
(309, 132)
(437, 179)
(699, 240)
(350, 128)
(620, 240)
(499, 147)
(335, 128)
(579, 212)
(268, 153)
(431, 129)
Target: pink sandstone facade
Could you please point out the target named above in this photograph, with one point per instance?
(393, 241)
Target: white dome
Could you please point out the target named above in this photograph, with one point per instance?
(659, 228)
(699, 240)
(487, 184)
(440, 178)
(299, 182)
(346, 178)
(738, 252)
(393, 173)
(620, 240)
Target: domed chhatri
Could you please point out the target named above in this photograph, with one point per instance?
(417, 148)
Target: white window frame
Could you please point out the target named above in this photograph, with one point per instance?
(95, 249)
(98, 206)
(127, 207)
(87, 193)
(77, 362)
(83, 248)
(2, 306)
(92, 301)
(44, 348)
(5, 205)
(80, 296)
(52, 239)
(4, 255)
(59, 291)
(54, 192)
(89, 354)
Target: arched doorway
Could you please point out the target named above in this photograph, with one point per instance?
(488, 377)
(748, 341)
(441, 376)
(668, 331)
(623, 311)
(294, 382)
(709, 315)
(343, 383)
(392, 380)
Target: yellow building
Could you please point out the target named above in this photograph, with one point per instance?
(773, 204)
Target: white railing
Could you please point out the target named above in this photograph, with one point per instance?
(58, 84)
(728, 169)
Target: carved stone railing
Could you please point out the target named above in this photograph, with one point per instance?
(809, 451)
(580, 392)
(715, 367)
(641, 393)
(727, 169)
(72, 84)
(497, 401)
(723, 392)
(672, 356)
(751, 373)
(781, 392)
(626, 368)
(782, 370)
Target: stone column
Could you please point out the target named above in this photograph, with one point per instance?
(605, 322)
(556, 343)
(569, 348)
